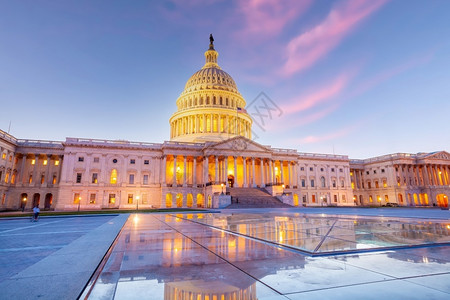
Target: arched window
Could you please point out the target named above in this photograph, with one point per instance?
(113, 179)
(169, 200)
(190, 200)
(179, 200)
(200, 200)
(322, 181)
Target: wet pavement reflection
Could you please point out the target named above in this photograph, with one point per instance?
(273, 256)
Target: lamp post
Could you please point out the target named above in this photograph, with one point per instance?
(137, 202)
(79, 202)
(222, 187)
(283, 188)
(24, 203)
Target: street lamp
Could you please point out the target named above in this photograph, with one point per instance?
(137, 202)
(222, 187)
(79, 202)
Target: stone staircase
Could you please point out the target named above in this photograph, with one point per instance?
(253, 198)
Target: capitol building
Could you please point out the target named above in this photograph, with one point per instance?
(210, 161)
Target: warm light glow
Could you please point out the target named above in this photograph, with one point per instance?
(33, 161)
(113, 179)
(282, 186)
(56, 162)
(136, 219)
(45, 162)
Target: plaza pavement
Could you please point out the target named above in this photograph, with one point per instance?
(55, 257)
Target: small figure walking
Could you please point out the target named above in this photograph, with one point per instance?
(36, 211)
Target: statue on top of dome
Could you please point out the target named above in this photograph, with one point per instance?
(211, 42)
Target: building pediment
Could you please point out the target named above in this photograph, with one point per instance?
(236, 145)
(441, 155)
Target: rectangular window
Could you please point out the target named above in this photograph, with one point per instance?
(3, 199)
(303, 182)
(92, 199)
(335, 198)
(313, 198)
(30, 179)
(382, 170)
(96, 159)
(13, 178)
(42, 178)
(145, 181)
(130, 198)
(132, 161)
(45, 162)
(342, 183)
(312, 182)
(304, 199)
(374, 171)
(332, 169)
(6, 177)
(334, 183)
(376, 184)
(76, 198)
(112, 198)
(146, 162)
(4, 156)
(94, 178)
(33, 161)
(384, 183)
(369, 185)
(80, 158)
(343, 198)
(302, 169)
(78, 178)
(54, 179)
(144, 199)
(131, 181)
(56, 162)
(311, 169)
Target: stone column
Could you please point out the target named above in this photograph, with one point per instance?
(174, 177)
(262, 173)
(194, 172)
(253, 173)
(281, 172)
(47, 171)
(418, 175)
(307, 181)
(290, 174)
(216, 170)
(163, 171)
(206, 169)
(226, 171)
(426, 176)
(35, 169)
(244, 159)
(235, 171)
(184, 172)
(22, 169)
(271, 171)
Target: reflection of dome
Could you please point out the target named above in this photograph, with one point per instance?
(210, 108)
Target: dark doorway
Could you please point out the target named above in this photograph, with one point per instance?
(23, 200)
(36, 199)
(48, 201)
(230, 181)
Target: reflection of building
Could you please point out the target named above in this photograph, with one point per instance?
(210, 144)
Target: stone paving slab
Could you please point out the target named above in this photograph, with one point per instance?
(63, 273)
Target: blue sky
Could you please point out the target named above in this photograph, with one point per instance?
(354, 77)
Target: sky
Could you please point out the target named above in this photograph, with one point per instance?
(361, 78)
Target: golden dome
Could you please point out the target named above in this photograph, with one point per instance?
(210, 108)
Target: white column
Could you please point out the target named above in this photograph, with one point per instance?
(290, 174)
(226, 171)
(245, 171)
(194, 172)
(36, 162)
(174, 177)
(253, 172)
(262, 173)
(282, 173)
(235, 171)
(184, 172)
(22, 169)
(47, 171)
(216, 170)
(163, 170)
(271, 171)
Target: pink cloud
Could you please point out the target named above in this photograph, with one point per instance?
(266, 18)
(323, 94)
(331, 136)
(307, 48)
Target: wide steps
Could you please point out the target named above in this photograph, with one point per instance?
(253, 198)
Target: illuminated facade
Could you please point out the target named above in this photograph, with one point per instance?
(209, 157)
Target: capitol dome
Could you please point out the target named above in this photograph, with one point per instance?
(210, 108)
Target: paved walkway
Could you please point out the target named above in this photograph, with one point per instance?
(55, 257)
